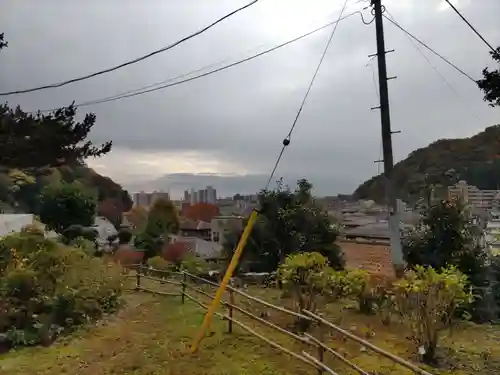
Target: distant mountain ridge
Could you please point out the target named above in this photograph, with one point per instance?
(475, 160)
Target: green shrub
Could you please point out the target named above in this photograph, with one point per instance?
(24, 244)
(149, 244)
(427, 300)
(194, 264)
(159, 263)
(164, 267)
(88, 247)
(306, 276)
(360, 288)
(33, 229)
(51, 289)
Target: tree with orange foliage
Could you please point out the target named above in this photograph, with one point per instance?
(201, 212)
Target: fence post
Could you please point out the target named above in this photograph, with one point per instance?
(138, 277)
(321, 351)
(230, 312)
(183, 285)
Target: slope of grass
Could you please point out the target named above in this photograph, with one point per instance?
(152, 336)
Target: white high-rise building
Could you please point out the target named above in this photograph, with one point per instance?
(211, 195)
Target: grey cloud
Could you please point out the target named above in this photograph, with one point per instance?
(243, 114)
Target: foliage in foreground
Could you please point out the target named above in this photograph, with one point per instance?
(308, 277)
(446, 237)
(47, 288)
(427, 300)
(65, 205)
(490, 84)
(290, 222)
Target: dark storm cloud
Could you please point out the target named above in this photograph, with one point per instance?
(241, 115)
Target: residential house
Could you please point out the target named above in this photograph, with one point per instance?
(191, 228)
(485, 199)
(222, 225)
(208, 250)
(367, 247)
(104, 229)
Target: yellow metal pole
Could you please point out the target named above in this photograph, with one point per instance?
(225, 281)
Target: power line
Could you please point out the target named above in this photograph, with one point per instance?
(171, 79)
(137, 92)
(436, 70)
(287, 140)
(130, 62)
(461, 71)
(472, 27)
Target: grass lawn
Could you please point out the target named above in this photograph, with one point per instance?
(151, 335)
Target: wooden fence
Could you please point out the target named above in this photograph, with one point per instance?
(187, 284)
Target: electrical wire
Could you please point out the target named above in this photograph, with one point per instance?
(137, 92)
(436, 70)
(472, 27)
(152, 85)
(287, 140)
(130, 62)
(461, 71)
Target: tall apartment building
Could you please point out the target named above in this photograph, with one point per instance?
(485, 199)
(148, 199)
(207, 195)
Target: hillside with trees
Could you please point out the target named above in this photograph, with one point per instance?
(475, 160)
(20, 190)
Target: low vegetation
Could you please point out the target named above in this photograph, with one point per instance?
(47, 288)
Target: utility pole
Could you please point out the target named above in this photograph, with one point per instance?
(385, 116)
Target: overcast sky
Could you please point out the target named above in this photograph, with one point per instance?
(233, 122)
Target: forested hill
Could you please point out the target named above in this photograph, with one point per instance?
(20, 192)
(475, 160)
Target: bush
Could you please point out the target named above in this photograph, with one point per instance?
(427, 299)
(306, 276)
(361, 288)
(52, 288)
(194, 264)
(159, 263)
(24, 244)
(149, 244)
(33, 229)
(75, 231)
(88, 247)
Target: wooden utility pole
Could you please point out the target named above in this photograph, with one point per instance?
(385, 116)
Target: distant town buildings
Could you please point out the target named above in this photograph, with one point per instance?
(484, 199)
(207, 195)
(146, 200)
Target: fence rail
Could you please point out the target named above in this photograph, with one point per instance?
(310, 341)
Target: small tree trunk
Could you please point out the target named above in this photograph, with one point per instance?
(366, 305)
(429, 357)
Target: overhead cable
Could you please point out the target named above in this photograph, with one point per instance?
(436, 70)
(461, 71)
(137, 92)
(287, 140)
(130, 62)
(472, 27)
